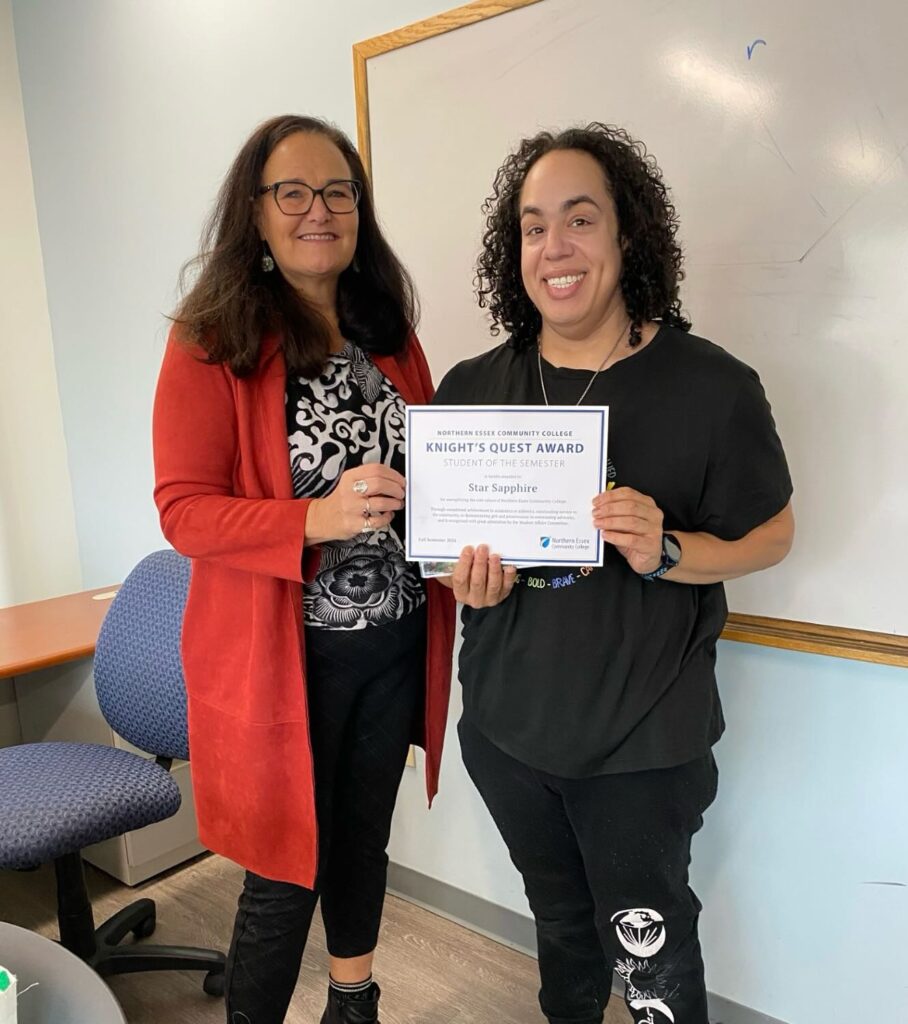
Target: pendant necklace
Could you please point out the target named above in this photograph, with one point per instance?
(586, 390)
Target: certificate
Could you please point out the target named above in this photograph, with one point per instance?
(520, 479)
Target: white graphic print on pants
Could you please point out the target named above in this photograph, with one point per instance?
(642, 933)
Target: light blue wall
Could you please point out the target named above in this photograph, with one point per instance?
(811, 816)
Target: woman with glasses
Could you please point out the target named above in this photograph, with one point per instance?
(313, 652)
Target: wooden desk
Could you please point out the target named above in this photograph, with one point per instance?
(51, 632)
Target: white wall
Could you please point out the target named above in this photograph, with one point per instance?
(38, 548)
(134, 111)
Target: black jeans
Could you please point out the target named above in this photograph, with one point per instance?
(365, 690)
(604, 862)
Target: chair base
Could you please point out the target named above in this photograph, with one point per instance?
(140, 918)
(100, 947)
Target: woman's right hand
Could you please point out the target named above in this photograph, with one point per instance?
(479, 579)
(373, 488)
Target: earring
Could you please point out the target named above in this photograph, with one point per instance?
(267, 259)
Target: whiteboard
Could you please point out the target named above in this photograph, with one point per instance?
(788, 164)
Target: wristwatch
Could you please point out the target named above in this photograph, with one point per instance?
(671, 556)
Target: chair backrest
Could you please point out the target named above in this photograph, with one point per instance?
(138, 668)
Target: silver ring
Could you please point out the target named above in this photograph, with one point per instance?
(367, 528)
(367, 511)
(360, 486)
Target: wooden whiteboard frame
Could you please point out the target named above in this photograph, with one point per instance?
(809, 637)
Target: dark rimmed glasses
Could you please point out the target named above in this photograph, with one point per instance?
(296, 197)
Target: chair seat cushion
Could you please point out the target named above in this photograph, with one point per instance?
(58, 798)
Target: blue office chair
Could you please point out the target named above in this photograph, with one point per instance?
(58, 798)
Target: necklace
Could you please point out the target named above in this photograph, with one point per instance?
(586, 390)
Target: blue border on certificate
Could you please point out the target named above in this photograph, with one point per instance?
(536, 409)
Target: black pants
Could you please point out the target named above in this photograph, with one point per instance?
(365, 690)
(604, 862)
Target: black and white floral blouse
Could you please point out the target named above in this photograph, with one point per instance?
(350, 415)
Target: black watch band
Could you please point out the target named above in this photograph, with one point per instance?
(671, 556)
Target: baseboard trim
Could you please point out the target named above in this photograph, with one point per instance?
(473, 912)
(517, 930)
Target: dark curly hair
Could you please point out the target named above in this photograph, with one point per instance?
(232, 303)
(647, 223)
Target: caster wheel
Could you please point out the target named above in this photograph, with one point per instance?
(146, 928)
(214, 983)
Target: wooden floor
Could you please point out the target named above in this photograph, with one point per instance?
(431, 970)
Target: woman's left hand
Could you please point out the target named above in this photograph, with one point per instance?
(632, 522)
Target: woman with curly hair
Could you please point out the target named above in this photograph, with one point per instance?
(313, 652)
(590, 700)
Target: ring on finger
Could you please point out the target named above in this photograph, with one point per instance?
(367, 510)
(360, 486)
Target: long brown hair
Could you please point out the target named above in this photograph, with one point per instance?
(233, 303)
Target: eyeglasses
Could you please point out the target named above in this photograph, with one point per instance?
(296, 197)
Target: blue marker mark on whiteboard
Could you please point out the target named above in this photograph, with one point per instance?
(750, 49)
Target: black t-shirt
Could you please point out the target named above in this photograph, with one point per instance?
(583, 672)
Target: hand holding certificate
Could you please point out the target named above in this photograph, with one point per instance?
(519, 479)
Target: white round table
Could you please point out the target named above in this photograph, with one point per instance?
(68, 990)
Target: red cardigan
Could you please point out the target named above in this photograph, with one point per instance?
(225, 498)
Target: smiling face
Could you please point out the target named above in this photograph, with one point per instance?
(570, 253)
(310, 249)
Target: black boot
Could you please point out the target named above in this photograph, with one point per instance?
(343, 1009)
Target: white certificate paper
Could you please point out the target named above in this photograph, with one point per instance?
(520, 479)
